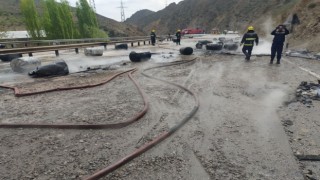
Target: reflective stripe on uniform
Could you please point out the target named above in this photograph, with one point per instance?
(248, 44)
(250, 39)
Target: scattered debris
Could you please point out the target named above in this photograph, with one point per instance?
(308, 91)
(200, 44)
(302, 54)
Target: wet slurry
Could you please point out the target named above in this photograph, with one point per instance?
(250, 124)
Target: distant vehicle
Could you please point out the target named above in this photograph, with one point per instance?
(192, 31)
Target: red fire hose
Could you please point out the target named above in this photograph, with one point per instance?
(161, 136)
(83, 126)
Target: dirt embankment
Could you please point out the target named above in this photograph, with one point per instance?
(307, 33)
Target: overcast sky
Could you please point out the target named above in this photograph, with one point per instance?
(109, 8)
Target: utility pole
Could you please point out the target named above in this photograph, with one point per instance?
(93, 5)
(123, 17)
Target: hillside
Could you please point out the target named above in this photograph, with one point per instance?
(233, 15)
(11, 20)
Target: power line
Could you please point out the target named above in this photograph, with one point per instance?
(123, 17)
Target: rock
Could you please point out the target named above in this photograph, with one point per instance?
(186, 50)
(93, 51)
(24, 64)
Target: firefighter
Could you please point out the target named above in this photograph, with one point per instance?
(153, 37)
(248, 40)
(278, 41)
(178, 35)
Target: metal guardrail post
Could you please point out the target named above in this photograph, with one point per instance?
(132, 44)
(57, 52)
(77, 50)
(30, 54)
(138, 43)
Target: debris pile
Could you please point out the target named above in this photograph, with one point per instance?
(303, 54)
(308, 91)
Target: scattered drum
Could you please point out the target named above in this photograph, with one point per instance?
(57, 69)
(121, 46)
(93, 51)
(137, 57)
(186, 51)
(24, 64)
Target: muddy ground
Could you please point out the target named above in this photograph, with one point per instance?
(249, 125)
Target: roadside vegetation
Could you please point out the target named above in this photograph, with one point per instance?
(56, 20)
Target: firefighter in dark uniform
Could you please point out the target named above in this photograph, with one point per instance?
(178, 35)
(153, 37)
(247, 41)
(278, 41)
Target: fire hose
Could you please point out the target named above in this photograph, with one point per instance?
(101, 173)
(83, 126)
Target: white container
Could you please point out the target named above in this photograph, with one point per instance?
(93, 51)
(24, 64)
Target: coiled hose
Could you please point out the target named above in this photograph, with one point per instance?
(101, 173)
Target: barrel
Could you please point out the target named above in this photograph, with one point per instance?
(137, 57)
(9, 57)
(186, 50)
(24, 64)
(121, 46)
(231, 46)
(214, 47)
(57, 69)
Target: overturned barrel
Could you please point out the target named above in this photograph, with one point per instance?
(231, 46)
(199, 46)
(214, 47)
(93, 51)
(24, 64)
(186, 51)
(9, 57)
(121, 46)
(137, 57)
(58, 69)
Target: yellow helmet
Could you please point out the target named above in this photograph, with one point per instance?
(250, 28)
(153, 30)
(178, 30)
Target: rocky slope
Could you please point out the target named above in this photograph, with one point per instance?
(235, 15)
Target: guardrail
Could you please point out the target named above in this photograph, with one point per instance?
(33, 43)
(56, 48)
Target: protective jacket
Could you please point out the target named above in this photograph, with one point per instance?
(279, 35)
(178, 35)
(153, 35)
(249, 38)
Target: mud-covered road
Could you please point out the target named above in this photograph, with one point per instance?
(249, 125)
